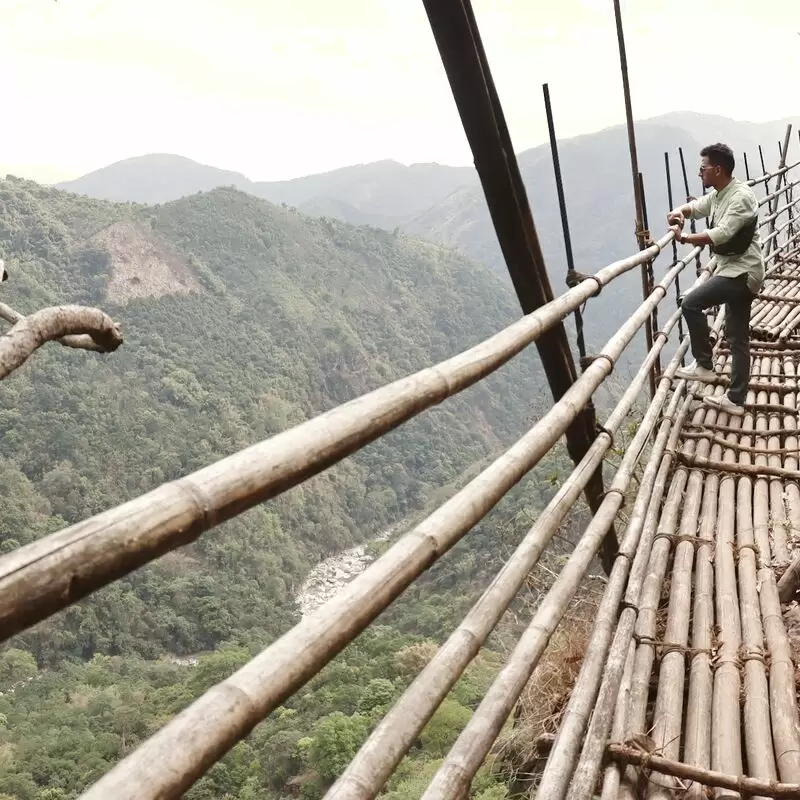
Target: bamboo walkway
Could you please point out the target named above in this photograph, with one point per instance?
(701, 670)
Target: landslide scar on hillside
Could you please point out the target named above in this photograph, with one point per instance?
(142, 264)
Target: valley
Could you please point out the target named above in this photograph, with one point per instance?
(240, 318)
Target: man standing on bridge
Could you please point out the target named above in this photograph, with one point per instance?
(733, 238)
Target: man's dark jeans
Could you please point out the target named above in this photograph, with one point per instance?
(737, 298)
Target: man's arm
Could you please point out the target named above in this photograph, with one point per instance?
(678, 215)
(696, 208)
(695, 239)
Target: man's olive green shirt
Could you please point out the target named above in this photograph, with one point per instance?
(731, 208)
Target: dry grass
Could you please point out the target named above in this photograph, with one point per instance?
(542, 704)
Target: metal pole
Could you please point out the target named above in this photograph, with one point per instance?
(656, 372)
(459, 43)
(692, 226)
(562, 205)
(746, 167)
(674, 250)
(641, 232)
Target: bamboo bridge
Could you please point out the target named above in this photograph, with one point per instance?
(688, 683)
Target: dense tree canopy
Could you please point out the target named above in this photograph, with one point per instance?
(240, 320)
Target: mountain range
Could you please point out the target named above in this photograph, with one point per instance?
(445, 204)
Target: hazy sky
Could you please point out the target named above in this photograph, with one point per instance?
(280, 88)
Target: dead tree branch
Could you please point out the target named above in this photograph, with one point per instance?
(80, 341)
(73, 326)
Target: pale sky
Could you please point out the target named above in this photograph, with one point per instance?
(281, 88)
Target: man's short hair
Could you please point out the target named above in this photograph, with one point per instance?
(720, 155)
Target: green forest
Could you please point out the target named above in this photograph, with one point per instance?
(242, 318)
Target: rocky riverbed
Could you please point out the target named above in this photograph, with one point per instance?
(330, 575)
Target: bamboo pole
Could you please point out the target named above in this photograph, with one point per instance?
(783, 710)
(697, 748)
(645, 628)
(768, 198)
(237, 704)
(757, 724)
(612, 774)
(708, 428)
(40, 578)
(773, 204)
(777, 298)
(792, 446)
(784, 209)
(778, 519)
(768, 176)
(749, 787)
(790, 580)
(726, 746)
(398, 730)
(735, 445)
(668, 713)
(647, 603)
(738, 469)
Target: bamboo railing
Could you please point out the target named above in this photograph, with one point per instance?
(49, 574)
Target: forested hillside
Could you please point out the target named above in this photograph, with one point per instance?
(240, 319)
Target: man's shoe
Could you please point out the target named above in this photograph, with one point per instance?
(694, 372)
(723, 403)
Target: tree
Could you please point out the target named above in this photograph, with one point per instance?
(52, 794)
(16, 665)
(336, 740)
(378, 693)
(444, 727)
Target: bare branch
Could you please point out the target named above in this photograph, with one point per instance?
(78, 341)
(56, 323)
